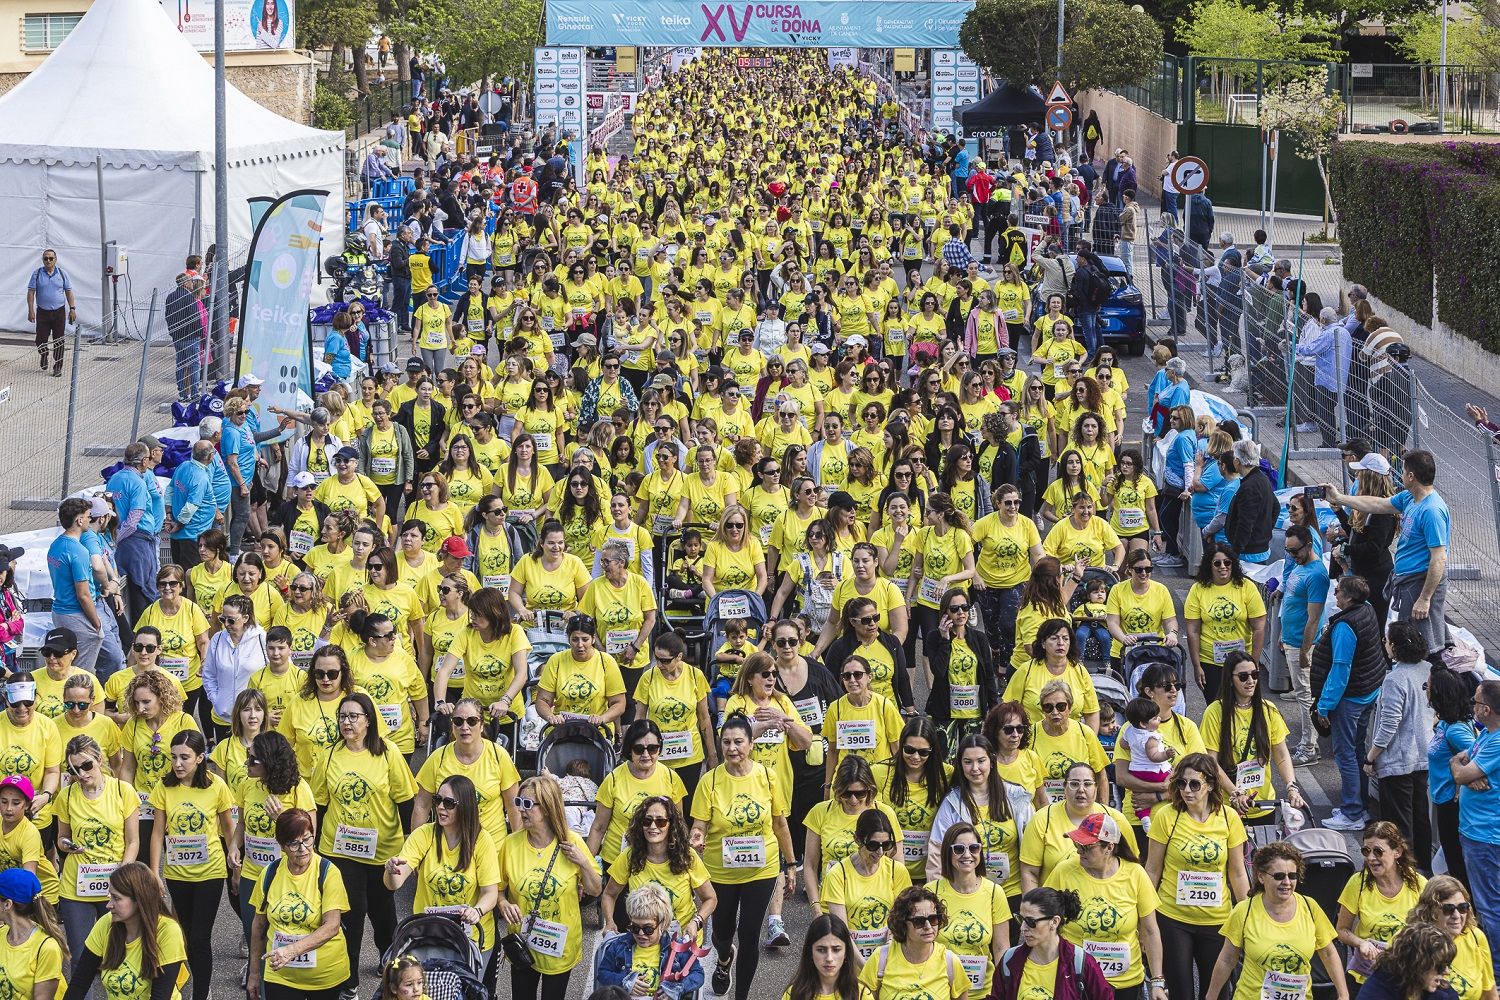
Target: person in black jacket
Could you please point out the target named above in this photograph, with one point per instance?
(429, 445)
(964, 686)
(1414, 966)
(398, 269)
(1348, 666)
(1366, 547)
(300, 507)
(859, 637)
(1252, 513)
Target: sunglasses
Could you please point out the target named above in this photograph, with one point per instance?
(142, 647)
(645, 749)
(854, 793)
(445, 802)
(655, 822)
(1143, 570)
(523, 803)
(467, 721)
(300, 587)
(1032, 922)
(382, 636)
(1191, 784)
(88, 765)
(879, 846)
(1451, 908)
(854, 675)
(961, 608)
(328, 675)
(923, 920)
(1284, 876)
(644, 930)
(1014, 729)
(1055, 706)
(75, 706)
(1246, 675)
(959, 850)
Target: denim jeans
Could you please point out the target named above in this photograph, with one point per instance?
(78, 918)
(999, 606)
(187, 368)
(1483, 864)
(1351, 725)
(1088, 329)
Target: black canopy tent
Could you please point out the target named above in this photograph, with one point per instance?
(1003, 108)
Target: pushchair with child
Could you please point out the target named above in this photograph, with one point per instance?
(451, 962)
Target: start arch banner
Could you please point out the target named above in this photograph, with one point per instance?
(924, 24)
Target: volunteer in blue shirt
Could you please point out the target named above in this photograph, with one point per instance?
(1478, 774)
(1419, 584)
(138, 504)
(336, 354)
(49, 304)
(1303, 596)
(1348, 666)
(237, 448)
(211, 429)
(193, 509)
(72, 573)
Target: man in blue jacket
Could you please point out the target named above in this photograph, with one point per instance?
(139, 505)
(193, 507)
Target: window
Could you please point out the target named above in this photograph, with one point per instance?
(45, 32)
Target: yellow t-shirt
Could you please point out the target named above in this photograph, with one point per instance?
(1131, 500)
(1094, 542)
(942, 555)
(970, 933)
(740, 844)
(29, 751)
(114, 688)
(1112, 911)
(98, 826)
(835, 829)
(551, 590)
(493, 775)
(862, 730)
(178, 655)
(1194, 886)
(770, 748)
(581, 688)
(622, 793)
(489, 667)
(679, 885)
(261, 847)
(100, 727)
(885, 594)
(941, 977)
(556, 935)
(1079, 744)
(442, 886)
(914, 816)
(361, 791)
(734, 570)
(1003, 553)
(866, 899)
(128, 980)
(312, 728)
(394, 685)
(1025, 686)
(36, 960)
(620, 612)
(1471, 973)
(1140, 614)
(1277, 957)
(1225, 612)
(293, 906)
(1045, 844)
(1376, 916)
(1252, 775)
(1180, 733)
(22, 846)
(280, 690)
(673, 706)
(49, 693)
(193, 851)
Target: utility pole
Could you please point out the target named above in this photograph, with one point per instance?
(1062, 6)
(220, 274)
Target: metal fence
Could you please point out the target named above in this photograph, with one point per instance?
(374, 110)
(1305, 388)
(1161, 92)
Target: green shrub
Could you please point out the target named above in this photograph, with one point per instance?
(1378, 191)
(331, 110)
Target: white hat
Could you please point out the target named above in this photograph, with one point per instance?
(819, 348)
(250, 379)
(1374, 462)
(302, 480)
(857, 340)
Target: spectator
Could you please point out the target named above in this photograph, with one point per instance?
(1419, 586)
(1366, 549)
(1402, 728)
(1253, 510)
(1477, 772)
(187, 325)
(1119, 176)
(956, 250)
(138, 504)
(1348, 666)
(1130, 219)
(399, 271)
(194, 508)
(1106, 223)
(374, 168)
(1331, 349)
(71, 570)
(49, 304)
(1304, 591)
(1452, 703)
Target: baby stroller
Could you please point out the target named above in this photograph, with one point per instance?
(563, 746)
(547, 639)
(1329, 868)
(685, 614)
(1093, 640)
(451, 961)
(1149, 650)
(724, 606)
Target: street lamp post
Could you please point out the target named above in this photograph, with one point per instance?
(1061, 16)
(220, 273)
(1443, 71)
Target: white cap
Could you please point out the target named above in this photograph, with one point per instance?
(1374, 462)
(858, 339)
(250, 379)
(302, 480)
(819, 347)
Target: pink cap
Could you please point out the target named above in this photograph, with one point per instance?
(20, 783)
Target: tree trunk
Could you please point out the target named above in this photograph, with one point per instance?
(403, 61)
(1331, 213)
(361, 71)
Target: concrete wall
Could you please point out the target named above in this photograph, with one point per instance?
(1437, 343)
(1147, 136)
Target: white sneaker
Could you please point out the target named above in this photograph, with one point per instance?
(1338, 821)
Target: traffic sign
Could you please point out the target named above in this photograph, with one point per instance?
(1189, 175)
(1059, 117)
(1058, 94)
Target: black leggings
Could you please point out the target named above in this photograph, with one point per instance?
(1171, 520)
(197, 904)
(739, 914)
(525, 982)
(198, 706)
(368, 896)
(275, 991)
(690, 774)
(1184, 948)
(1447, 837)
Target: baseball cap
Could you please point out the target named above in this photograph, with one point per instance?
(662, 354)
(858, 340)
(151, 441)
(414, 365)
(60, 640)
(302, 480)
(819, 348)
(249, 379)
(1372, 462)
(456, 547)
(17, 884)
(1095, 828)
(98, 507)
(9, 555)
(587, 340)
(663, 382)
(22, 784)
(386, 368)
(346, 452)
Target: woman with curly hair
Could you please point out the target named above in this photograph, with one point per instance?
(1446, 904)
(657, 852)
(1416, 966)
(914, 963)
(1277, 933)
(273, 784)
(1376, 900)
(156, 716)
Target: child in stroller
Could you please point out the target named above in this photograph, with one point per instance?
(685, 575)
(579, 787)
(728, 659)
(1089, 618)
(403, 979)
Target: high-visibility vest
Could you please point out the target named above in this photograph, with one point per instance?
(523, 195)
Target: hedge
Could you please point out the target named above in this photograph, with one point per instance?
(1407, 212)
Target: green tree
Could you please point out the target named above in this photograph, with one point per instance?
(1107, 42)
(1309, 118)
(477, 38)
(337, 25)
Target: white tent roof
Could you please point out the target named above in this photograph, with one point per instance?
(126, 84)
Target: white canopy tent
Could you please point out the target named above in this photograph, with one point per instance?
(125, 86)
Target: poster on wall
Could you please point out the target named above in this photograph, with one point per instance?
(248, 24)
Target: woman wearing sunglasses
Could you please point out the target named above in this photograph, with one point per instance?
(552, 918)
(183, 629)
(305, 614)
(915, 963)
(484, 529)
(622, 791)
(832, 833)
(861, 887)
(273, 784)
(979, 915)
(484, 763)
(81, 716)
(778, 725)
(1045, 961)
(913, 783)
(1197, 862)
(1274, 935)
(141, 656)
(1445, 903)
(656, 852)
(1373, 902)
(1160, 683)
(1140, 608)
(644, 956)
(445, 624)
(98, 829)
(964, 681)
(156, 718)
(1054, 657)
(1045, 844)
(384, 669)
(1247, 735)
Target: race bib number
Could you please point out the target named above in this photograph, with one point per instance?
(500, 581)
(187, 849)
(856, 734)
(301, 542)
(1249, 776)
(616, 639)
(93, 880)
(765, 533)
(810, 710)
(931, 591)
(1054, 788)
(1200, 888)
(676, 745)
(391, 716)
(1283, 986)
(1132, 518)
(868, 941)
(913, 846)
(1113, 956)
(734, 606)
(1057, 372)
(543, 440)
(963, 698)
(308, 960)
(357, 842)
(548, 938)
(744, 852)
(997, 865)
(177, 666)
(148, 811)
(770, 738)
(476, 326)
(974, 968)
(1224, 648)
(383, 465)
(262, 851)
(548, 322)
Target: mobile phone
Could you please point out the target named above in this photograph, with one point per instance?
(1315, 492)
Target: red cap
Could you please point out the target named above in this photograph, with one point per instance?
(455, 546)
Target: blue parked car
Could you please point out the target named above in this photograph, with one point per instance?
(1122, 318)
